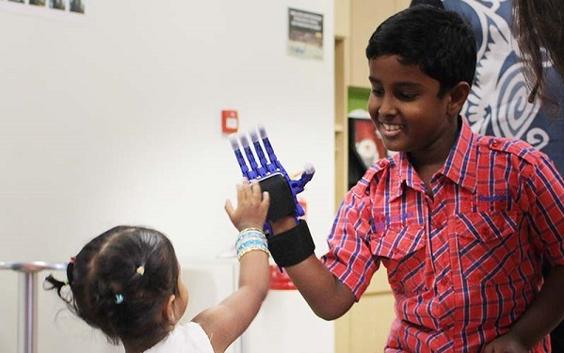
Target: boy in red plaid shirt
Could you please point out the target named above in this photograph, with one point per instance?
(461, 222)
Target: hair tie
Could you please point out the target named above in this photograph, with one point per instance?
(119, 298)
(140, 270)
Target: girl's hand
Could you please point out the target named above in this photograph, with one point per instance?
(506, 344)
(252, 206)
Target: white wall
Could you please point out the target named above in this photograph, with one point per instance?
(113, 118)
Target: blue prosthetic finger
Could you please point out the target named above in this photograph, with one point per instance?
(253, 171)
(263, 169)
(298, 185)
(300, 212)
(240, 159)
(274, 165)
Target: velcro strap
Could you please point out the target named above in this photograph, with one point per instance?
(281, 198)
(293, 246)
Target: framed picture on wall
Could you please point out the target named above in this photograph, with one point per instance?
(57, 4)
(365, 145)
(77, 6)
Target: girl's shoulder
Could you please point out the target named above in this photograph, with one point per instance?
(188, 337)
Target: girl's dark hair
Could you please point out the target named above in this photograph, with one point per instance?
(539, 27)
(110, 293)
(436, 40)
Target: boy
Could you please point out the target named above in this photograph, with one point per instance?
(462, 222)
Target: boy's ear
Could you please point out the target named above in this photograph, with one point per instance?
(457, 98)
(168, 310)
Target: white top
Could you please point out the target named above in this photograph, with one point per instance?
(185, 338)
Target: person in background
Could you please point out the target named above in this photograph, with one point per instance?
(540, 35)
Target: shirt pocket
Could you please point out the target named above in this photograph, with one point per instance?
(489, 246)
(402, 251)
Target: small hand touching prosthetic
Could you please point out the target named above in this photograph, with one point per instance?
(270, 173)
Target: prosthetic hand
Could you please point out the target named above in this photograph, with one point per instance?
(295, 245)
(270, 174)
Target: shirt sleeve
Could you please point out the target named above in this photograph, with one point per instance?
(188, 337)
(545, 189)
(197, 340)
(349, 257)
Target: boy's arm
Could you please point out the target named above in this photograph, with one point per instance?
(228, 320)
(545, 313)
(325, 294)
(544, 188)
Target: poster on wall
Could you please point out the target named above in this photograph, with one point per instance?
(46, 8)
(76, 6)
(365, 145)
(367, 141)
(305, 34)
(57, 4)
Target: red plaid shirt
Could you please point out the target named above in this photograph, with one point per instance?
(465, 262)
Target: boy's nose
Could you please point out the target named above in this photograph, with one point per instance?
(387, 108)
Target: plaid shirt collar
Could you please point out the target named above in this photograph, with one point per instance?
(459, 167)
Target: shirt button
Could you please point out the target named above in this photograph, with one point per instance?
(382, 164)
(495, 143)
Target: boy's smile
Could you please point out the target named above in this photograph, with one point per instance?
(408, 112)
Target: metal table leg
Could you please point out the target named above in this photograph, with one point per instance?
(27, 302)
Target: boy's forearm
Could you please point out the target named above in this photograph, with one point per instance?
(545, 313)
(326, 295)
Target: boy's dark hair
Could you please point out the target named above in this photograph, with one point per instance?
(438, 41)
(435, 3)
(110, 293)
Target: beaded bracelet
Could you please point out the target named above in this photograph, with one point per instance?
(251, 239)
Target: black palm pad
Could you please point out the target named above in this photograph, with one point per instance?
(281, 198)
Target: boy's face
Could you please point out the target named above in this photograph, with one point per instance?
(405, 106)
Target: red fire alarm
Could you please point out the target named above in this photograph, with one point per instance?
(229, 121)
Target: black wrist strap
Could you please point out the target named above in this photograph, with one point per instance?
(293, 246)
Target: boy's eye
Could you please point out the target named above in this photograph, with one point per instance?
(378, 92)
(407, 96)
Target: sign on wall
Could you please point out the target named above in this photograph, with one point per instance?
(305, 34)
(47, 8)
